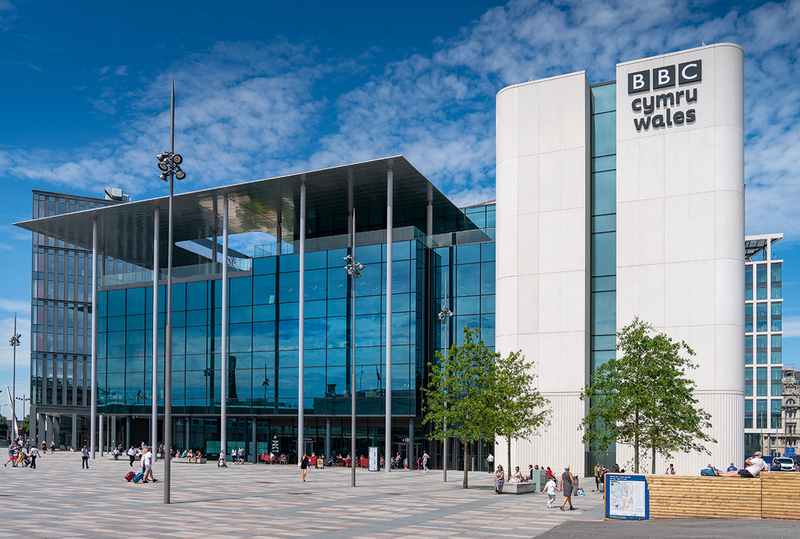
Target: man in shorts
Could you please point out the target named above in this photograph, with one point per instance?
(753, 467)
(147, 466)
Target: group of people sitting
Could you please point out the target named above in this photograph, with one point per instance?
(518, 477)
(190, 455)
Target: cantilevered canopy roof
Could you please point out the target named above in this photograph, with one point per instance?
(125, 231)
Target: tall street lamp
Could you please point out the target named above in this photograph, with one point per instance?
(14, 341)
(353, 270)
(168, 163)
(443, 316)
(24, 399)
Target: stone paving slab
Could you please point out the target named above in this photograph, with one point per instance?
(59, 499)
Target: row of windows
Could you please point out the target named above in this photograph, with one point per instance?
(763, 384)
(766, 415)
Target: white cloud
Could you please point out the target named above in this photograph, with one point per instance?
(253, 110)
(791, 326)
(23, 308)
(121, 70)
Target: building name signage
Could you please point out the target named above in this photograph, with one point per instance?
(656, 109)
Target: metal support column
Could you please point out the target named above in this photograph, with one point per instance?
(154, 382)
(223, 420)
(127, 432)
(301, 329)
(389, 226)
(253, 450)
(411, 453)
(112, 432)
(42, 425)
(100, 434)
(49, 426)
(74, 441)
(328, 436)
(93, 413)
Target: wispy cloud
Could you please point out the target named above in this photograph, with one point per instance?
(23, 308)
(791, 326)
(252, 110)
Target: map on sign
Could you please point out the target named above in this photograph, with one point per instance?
(627, 496)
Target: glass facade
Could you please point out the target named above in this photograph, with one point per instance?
(61, 319)
(763, 347)
(603, 249)
(263, 338)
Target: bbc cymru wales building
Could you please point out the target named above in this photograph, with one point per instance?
(614, 200)
(617, 200)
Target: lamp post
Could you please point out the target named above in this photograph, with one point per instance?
(443, 316)
(14, 341)
(23, 398)
(353, 270)
(168, 163)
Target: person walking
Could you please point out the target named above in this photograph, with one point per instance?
(84, 458)
(670, 470)
(34, 455)
(550, 489)
(425, 461)
(221, 462)
(52, 447)
(597, 472)
(147, 466)
(567, 486)
(241, 455)
(499, 479)
(12, 455)
(132, 455)
(490, 460)
(304, 466)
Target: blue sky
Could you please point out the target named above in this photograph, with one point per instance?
(266, 88)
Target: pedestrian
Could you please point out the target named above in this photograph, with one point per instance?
(34, 454)
(147, 466)
(132, 455)
(597, 473)
(499, 479)
(52, 447)
(84, 458)
(732, 468)
(12, 455)
(670, 470)
(241, 455)
(567, 486)
(490, 460)
(550, 489)
(425, 461)
(304, 467)
(221, 462)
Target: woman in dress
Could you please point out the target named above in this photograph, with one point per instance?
(304, 466)
(499, 479)
(567, 486)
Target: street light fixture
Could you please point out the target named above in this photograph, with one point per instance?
(14, 341)
(169, 162)
(353, 270)
(443, 316)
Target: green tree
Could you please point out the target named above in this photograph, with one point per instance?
(520, 409)
(461, 395)
(644, 398)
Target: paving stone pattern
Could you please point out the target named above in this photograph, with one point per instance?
(60, 500)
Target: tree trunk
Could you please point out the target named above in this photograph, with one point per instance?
(508, 438)
(654, 459)
(466, 467)
(636, 444)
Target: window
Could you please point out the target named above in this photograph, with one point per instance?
(761, 414)
(748, 382)
(748, 414)
(775, 422)
(761, 381)
(776, 386)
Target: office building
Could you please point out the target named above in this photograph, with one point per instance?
(617, 200)
(289, 303)
(763, 359)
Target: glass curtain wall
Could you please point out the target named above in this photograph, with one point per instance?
(603, 263)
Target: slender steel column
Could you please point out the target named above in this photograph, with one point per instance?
(127, 432)
(168, 331)
(74, 441)
(411, 453)
(328, 436)
(223, 433)
(301, 330)
(353, 455)
(93, 413)
(100, 435)
(214, 248)
(154, 386)
(253, 451)
(389, 226)
(429, 227)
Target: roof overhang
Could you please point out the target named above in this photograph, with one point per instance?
(126, 231)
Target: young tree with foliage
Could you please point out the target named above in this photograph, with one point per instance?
(461, 396)
(644, 398)
(520, 410)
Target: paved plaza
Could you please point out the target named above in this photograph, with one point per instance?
(61, 500)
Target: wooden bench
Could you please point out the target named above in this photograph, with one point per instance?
(519, 488)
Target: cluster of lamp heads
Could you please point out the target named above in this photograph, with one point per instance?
(168, 163)
(353, 268)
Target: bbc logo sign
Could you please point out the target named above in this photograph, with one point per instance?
(665, 77)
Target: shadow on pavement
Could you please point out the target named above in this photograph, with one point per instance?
(677, 528)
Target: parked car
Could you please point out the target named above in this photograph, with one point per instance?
(783, 464)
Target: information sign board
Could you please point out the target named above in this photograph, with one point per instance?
(627, 497)
(373, 459)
